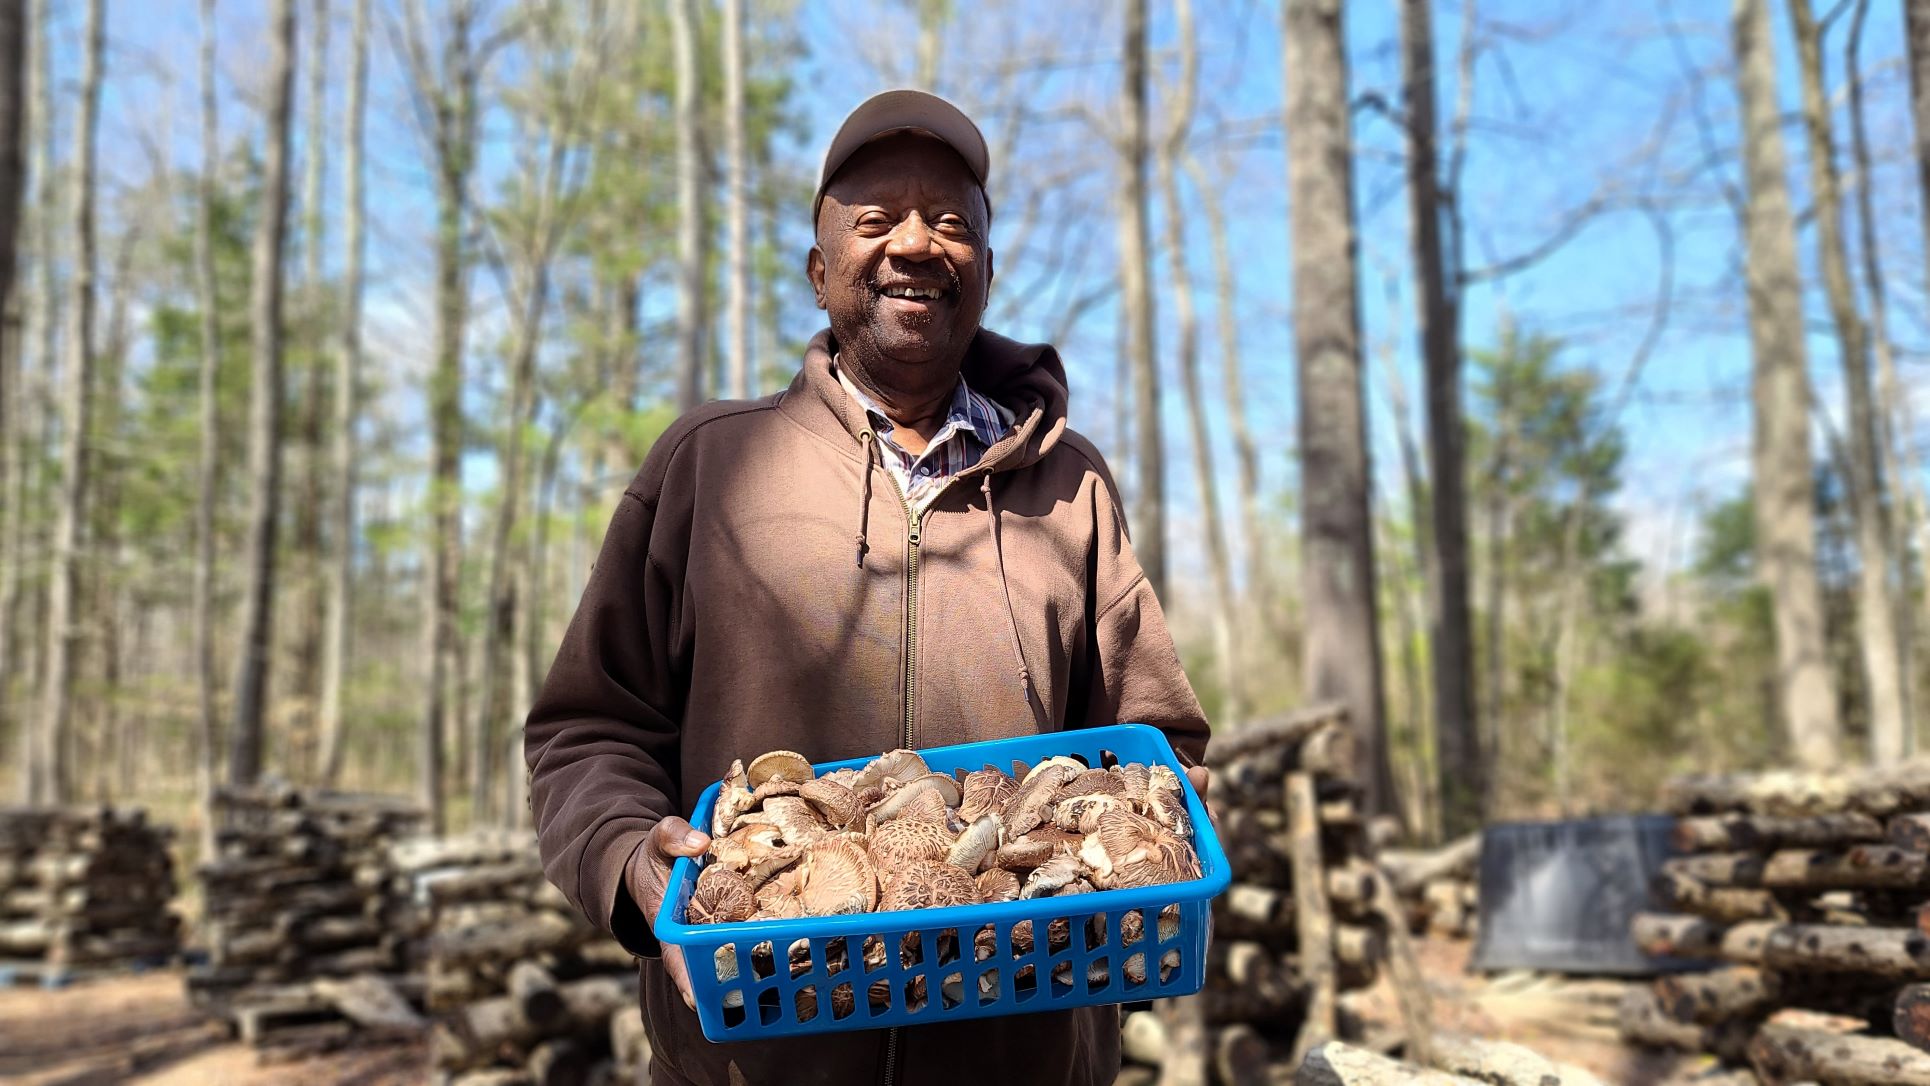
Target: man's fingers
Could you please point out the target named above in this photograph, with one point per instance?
(673, 962)
(675, 837)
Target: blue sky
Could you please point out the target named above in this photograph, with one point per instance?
(1568, 103)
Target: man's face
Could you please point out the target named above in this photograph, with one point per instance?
(902, 263)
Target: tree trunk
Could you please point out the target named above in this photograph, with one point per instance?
(104, 506)
(311, 606)
(264, 414)
(1907, 502)
(14, 32)
(450, 98)
(208, 756)
(1784, 485)
(1172, 151)
(690, 206)
(1148, 520)
(1342, 656)
(737, 201)
(1246, 457)
(50, 781)
(1916, 32)
(348, 366)
(1876, 620)
(1450, 630)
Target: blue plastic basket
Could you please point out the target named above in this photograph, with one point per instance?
(742, 994)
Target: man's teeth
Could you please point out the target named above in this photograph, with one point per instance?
(913, 292)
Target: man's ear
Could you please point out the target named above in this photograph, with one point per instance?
(814, 271)
(991, 269)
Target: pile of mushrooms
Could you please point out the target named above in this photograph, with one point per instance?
(896, 835)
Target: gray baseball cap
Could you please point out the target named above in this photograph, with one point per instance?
(904, 111)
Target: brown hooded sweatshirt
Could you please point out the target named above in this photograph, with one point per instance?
(761, 587)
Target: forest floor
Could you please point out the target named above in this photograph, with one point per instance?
(141, 1029)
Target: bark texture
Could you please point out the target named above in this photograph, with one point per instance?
(206, 300)
(691, 210)
(1148, 518)
(1342, 658)
(1784, 483)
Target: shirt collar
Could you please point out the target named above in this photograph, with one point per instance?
(970, 412)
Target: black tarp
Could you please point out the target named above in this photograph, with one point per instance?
(1558, 896)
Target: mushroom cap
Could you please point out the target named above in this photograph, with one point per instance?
(946, 787)
(788, 764)
(907, 840)
(1040, 789)
(1080, 814)
(984, 790)
(1093, 782)
(721, 896)
(835, 802)
(1073, 764)
(1166, 800)
(1023, 853)
(923, 797)
(796, 820)
(1052, 875)
(846, 776)
(776, 786)
(929, 884)
(899, 764)
(998, 884)
(1133, 779)
(834, 876)
(732, 800)
(1129, 850)
(976, 843)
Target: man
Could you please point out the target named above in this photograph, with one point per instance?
(905, 548)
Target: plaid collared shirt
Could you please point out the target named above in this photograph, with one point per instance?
(972, 425)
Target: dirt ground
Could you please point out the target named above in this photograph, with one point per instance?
(141, 1030)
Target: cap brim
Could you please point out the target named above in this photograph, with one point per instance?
(904, 111)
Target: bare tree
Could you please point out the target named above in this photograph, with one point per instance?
(1445, 567)
(1136, 298)
(691, 304)
(1876, 620)
(1342, 658)
(737, 202)
(310, 605)
(348, 368)
(207, 300)
(245, 740)
(1784, 486)
(1916, 23)
(51, 782)
(14, 33)
(445, 104)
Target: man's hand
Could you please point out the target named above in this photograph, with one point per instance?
(1200, 777)
(649, 873)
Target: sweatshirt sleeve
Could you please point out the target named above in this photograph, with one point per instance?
(602, 738)
(1135, 675)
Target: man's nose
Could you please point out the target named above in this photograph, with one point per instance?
(912, 239)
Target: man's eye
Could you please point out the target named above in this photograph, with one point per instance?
(873, 220)
(953, 224)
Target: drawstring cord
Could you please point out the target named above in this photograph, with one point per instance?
(864, 496)
(1032, 700)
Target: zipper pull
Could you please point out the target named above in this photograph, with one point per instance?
(913, 536)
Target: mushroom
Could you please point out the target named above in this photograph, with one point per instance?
(835, 801)
(984, 790)
(1052, 876)
(722, 896)
(928, 884)
(732, 800)
(776, 786)
(1128, 850)
(976, 843)
(900, 765)
(1022, 854)
(998, 884)
(1133, 779)
(1093, 782)
(907, 840)
(1080, 814)
(1027, 807)
(942, 789)
(1057, 761)
(833, 877)
(755, 851)
(795, 819)
(1166, 801)
(787, 764)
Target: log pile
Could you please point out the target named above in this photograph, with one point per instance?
(522, 989)
(1456, 1061)
(83, 890)
(1437, 888)
(1306, 919)
(306, 937)
(1806, 892)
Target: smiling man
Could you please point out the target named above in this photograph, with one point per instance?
(907, 547)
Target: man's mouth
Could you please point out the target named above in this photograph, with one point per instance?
(914, 293)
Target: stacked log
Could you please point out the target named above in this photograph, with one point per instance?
(1456, 1061)
(1305, 920)
(83, 890)
(1805, 891)
(1437, 888)
(523, 990)
(307, 939)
